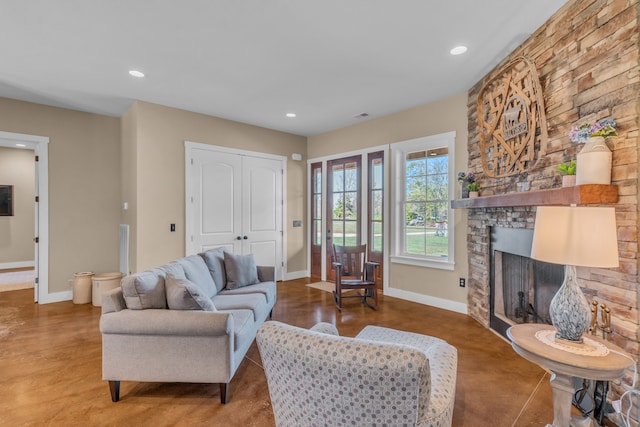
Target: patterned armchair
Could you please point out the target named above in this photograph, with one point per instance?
(380, 377)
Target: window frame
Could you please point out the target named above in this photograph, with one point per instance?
(399, 151)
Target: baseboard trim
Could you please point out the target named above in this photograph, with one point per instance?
(56, 297)
(296, 275)
(446, 304)
(19, 264)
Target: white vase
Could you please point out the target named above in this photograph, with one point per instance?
(569, 310)
(594, 162)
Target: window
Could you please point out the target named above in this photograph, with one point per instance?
(424, 181)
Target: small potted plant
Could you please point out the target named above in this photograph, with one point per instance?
(568, 172)
(473, 189)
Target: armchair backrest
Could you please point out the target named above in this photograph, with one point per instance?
(321, 379)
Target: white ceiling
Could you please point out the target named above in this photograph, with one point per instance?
(255, 60)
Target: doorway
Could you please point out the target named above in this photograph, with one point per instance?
(346, 205)
(40, 147)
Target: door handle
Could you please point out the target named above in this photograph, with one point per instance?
(245, 237)
(238, 238)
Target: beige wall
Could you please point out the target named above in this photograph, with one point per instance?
(158, 177)
(17, 168)
(84, 185)
(443, 116)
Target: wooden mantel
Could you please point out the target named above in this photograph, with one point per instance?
(590, 194)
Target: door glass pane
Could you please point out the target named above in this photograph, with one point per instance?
(338, 178)
(351, 177)
(317, 232)
(338, 206)
(376, 244)
(351, 205)
(350, 233)
(376, 174)
(338, 233)
(317, 180)
(376, 208)
(317, 213)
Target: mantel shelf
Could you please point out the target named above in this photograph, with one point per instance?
(589, 194)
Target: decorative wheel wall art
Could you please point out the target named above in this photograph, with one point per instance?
(511, 119)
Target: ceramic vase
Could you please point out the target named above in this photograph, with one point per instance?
(594, 162)
(464, 191)
(473, 194)
(569, 310)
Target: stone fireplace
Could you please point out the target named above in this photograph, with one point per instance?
(587, 60)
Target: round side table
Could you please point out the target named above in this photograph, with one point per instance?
(596, 359)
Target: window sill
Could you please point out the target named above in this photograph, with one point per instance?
(421, 262)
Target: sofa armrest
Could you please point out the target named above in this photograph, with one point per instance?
(266, 273)
(167, 322)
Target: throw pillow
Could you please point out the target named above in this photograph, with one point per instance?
(182, 294)
(241, 270)
(214, 258)
(144, 290)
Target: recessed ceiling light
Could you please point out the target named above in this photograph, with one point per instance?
(136, 73)
(291, 115)
(20, 145)
(458, 50)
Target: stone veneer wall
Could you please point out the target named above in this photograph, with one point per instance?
(587, 58)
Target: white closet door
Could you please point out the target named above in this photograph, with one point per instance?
(217, 205)
(236, 202)
(262, 209)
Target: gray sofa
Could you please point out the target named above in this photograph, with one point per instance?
(191, 320)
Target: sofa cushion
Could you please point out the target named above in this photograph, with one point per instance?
(144, 290)
(266, 288)
(241, 270)
(183, 294)
(214, 258)
(197, 272)
(257, 303)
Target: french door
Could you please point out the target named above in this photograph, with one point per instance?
(343, 206)
(352, 212)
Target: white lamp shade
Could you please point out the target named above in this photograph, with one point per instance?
(576, 235)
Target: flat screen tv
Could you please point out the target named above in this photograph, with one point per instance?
(6, 200)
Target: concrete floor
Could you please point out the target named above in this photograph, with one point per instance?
(50, 367)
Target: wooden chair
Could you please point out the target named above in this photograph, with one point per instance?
(353, 271)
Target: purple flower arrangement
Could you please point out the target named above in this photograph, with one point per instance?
(467, 178)
(604, 128)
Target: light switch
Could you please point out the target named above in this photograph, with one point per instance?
(173, 228)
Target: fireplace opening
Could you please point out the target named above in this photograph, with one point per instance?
(521, 287)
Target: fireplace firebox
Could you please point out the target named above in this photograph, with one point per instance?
(521, 287)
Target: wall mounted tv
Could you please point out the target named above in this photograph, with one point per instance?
(6, 200)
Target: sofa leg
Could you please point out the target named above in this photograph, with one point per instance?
(114, 388)
(224, 392)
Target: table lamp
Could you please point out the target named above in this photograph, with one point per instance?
(574, 236)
